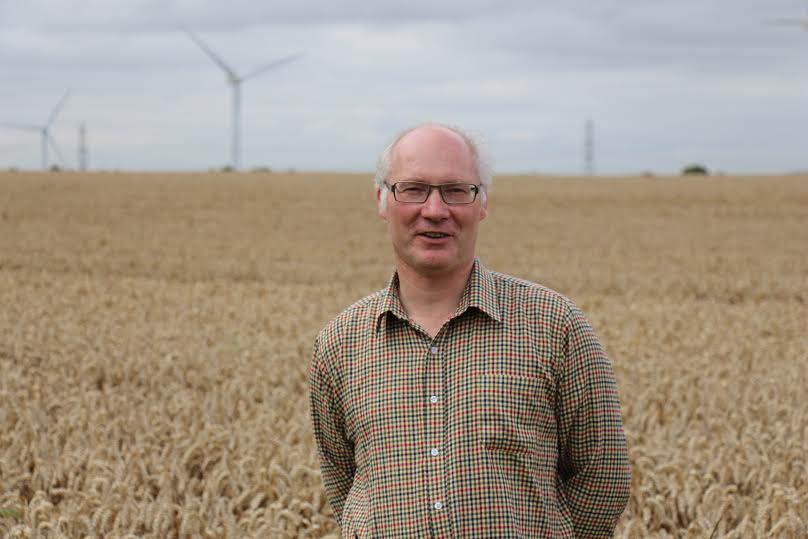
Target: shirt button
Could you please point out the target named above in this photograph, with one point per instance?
(434, 349)
(433, 399)
(438, 505)
(435, 452)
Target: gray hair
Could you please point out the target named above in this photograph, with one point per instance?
(482, 162)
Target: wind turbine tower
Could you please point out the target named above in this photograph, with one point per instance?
(589, 148)
(82, 148)
(235, 80)
(44, 131)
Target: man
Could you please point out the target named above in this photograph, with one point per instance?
(460, 402)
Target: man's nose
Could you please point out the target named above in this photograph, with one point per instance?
(435, 207)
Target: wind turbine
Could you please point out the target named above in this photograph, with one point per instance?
(235, 83)
(44, 131)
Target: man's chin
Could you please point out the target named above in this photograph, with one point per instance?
(430, 262)
(434, 264)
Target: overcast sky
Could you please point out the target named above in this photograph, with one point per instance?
(665, 83)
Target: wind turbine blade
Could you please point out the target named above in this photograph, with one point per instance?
(276, 63)
(52, 143)
(212, 55)
(25, 127)
(56, 110)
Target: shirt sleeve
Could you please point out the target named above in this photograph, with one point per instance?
(335, 450)
(594, 471)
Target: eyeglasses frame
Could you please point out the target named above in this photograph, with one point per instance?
(474, 187)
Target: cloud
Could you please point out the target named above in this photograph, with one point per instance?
(524, 73)
(156, 15)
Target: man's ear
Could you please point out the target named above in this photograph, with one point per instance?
(380, 206)
(484, 207)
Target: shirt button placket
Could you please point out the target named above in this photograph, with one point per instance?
(435, 461)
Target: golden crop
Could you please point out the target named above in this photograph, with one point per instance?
(156, 330)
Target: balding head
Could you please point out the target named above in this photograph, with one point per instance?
(434, 136)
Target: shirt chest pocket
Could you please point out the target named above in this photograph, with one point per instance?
(516, 413)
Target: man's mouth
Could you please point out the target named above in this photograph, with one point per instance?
(434, 235)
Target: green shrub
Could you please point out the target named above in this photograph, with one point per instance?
(695, 168)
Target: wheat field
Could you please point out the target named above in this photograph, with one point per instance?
(156, 332)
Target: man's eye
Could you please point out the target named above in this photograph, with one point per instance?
(457, 189)
(412, 189)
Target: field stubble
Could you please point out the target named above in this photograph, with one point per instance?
(156, 330)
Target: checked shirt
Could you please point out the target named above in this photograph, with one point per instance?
(505, 424)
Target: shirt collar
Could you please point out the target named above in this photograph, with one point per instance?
(480, 293)
(390, 302)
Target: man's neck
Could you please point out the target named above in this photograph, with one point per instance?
(431, 296)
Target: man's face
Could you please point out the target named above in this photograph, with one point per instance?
(433, 155)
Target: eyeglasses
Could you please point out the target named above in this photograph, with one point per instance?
(410, 192)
